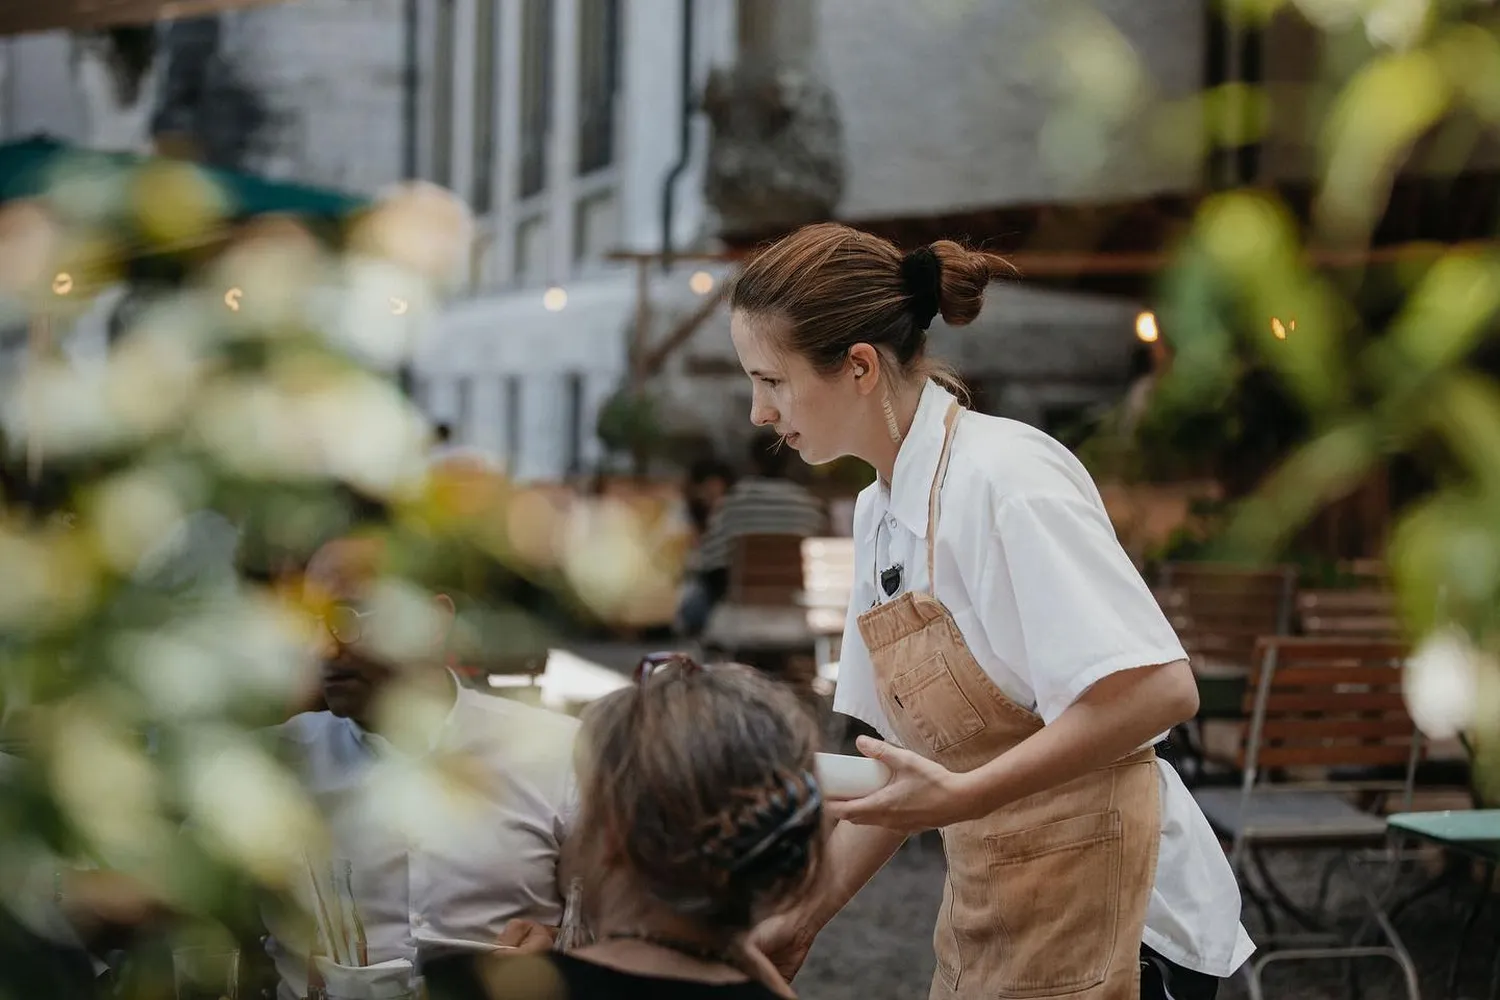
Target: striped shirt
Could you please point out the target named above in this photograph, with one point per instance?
(759, 506)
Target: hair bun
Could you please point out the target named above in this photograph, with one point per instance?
(922, 279)
(963, 278)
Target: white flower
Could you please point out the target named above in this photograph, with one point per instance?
(1441, 683)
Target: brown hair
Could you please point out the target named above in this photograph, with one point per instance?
(838, 287)
(699, 783)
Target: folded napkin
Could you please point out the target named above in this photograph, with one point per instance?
(383, 981)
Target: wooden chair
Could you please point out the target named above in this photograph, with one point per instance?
(760, 621)
(1363, 613)
(1219, 613)
(765, 570)
(1322, 713)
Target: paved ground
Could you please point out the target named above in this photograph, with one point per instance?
(880, 947)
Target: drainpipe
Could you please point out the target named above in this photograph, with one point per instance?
(406, 378)
(410, 88)
(684, 137)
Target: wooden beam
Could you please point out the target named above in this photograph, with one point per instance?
(651, 364)
(1063, 264)
(642, 329)
(24, 16)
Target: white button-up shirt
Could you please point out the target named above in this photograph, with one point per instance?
(1048, 603)
(446, 847)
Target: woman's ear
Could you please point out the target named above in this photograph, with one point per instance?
(864, 365)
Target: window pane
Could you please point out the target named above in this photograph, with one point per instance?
(442, 94)
(536, 93)
(598, 80)
(486, 84)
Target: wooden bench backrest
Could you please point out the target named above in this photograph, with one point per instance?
(1219, 612)
(1328, 703)
(1350, 614)
(765, 569)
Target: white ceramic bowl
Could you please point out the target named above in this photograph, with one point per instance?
(846, 777)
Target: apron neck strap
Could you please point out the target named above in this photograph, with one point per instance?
(950, 420)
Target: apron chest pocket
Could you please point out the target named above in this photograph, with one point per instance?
(934, 705)
(1056, 890)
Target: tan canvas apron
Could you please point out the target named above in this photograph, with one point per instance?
(1047, 896)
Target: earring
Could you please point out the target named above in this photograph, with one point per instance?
(890, 419)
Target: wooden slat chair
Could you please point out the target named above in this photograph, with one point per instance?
(1219, 612)
(765, 570)
(760, 621)
(1319, 708)
(1370, 613)
(1363, 613)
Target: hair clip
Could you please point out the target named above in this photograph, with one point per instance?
(652, 662)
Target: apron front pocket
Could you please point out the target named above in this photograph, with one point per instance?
(1056, 891)
(932, 703)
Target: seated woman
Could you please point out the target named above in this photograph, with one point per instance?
(700, 816)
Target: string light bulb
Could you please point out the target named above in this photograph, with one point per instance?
(701, 282)
(1146, 330)
(555, 299)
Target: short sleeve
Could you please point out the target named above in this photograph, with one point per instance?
(1080, 606)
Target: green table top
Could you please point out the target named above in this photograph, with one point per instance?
(1474, 830)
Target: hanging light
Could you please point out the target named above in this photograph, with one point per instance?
(701, 282)
(555, 299)
(1145, 328)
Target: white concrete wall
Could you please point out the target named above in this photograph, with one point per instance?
(40, 92)
(331, 72)
(948, 105)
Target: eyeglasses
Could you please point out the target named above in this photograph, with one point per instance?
(346, 623)
(652, 662)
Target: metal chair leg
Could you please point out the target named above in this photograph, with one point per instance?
(1325, 881)
(1282, 901)
(1481, 899)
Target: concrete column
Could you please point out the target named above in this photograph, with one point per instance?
(776, 157)
(507, 173)
(562, 164)
(462, 112)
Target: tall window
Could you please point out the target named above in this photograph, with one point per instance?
(598, 82)
(536, 93)
(486, 92)
(573, 400)
(442, 93)
(513, 388)
(464, 419)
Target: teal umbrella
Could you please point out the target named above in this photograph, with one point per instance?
(27, 168)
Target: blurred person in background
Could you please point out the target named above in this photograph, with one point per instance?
(765, 502)
(489, 871)
(998, 638)
(705, 816)
(708, 479)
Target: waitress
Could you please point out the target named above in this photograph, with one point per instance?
(1001, 642)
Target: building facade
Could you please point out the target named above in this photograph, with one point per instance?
(561, 123)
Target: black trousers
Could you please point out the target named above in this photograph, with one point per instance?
(1163, 979)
